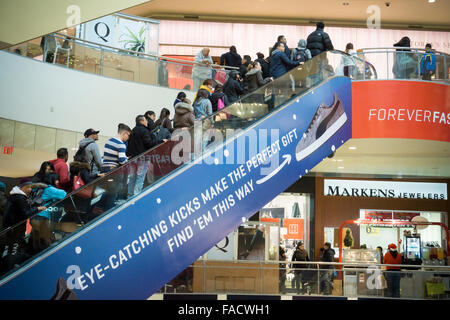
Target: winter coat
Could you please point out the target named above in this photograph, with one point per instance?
(51, 195)
(231, 59)
(202, 107)
(184, 116)
(327, 256)
(280, 64)
(92, 154)
(215, 99)
(255, 79)
(264, 67)
(233, 88)
(392, 257)
(17, 208)
(318, 42)
(62, 169)
(141, 139)
(300, 255)
(301, 50)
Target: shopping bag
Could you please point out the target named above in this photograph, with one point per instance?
(85, 193)
(221, 76)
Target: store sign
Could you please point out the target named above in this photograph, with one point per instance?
(401, 110)
(390, 215)
(385, 189)
(294, 229)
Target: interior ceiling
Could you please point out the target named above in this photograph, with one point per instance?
(399, 158)
(416, 14)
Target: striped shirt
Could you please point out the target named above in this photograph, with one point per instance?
(114, 153)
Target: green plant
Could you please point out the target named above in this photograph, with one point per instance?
(134, 42)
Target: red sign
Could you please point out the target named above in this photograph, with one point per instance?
(8, 150)
(401, 109)
(294, 228)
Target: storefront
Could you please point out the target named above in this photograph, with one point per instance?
(391, 205)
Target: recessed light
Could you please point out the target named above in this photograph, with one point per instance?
(431, 1)
(345, 3)
(340, 167)
(352, 148)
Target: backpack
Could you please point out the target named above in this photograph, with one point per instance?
(161, 133)
(80, 156)
(299, 55)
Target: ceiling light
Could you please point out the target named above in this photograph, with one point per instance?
(340, 167)
(352, 148)
(431, 1)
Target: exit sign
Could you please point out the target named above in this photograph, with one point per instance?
(8, 150)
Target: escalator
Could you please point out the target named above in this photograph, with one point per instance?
(197, 191)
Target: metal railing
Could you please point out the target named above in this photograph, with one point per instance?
(313, 278)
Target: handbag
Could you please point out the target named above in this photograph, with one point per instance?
(85, 193)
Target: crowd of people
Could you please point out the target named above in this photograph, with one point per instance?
(32, 197)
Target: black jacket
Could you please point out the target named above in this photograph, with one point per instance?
(233, 90)
(141, 139)
(264, 67)
(318, 42)
(327, 256)
(17, 208)
(231, 59)
(215, 98)
(255, 79)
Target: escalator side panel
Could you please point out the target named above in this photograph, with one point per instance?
(115, 258)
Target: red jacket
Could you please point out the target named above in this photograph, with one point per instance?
(62, 169)
(389, 259)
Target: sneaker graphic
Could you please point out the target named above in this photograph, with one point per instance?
(325, 123)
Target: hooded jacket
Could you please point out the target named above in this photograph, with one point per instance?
(62, 169)
(92, 154)
(280, 64)
(301, 48)
(392, 257)
(232, 88)
(51, 195)
(255, 79)
(184, 116)
(327, 256)
(17, 208)
(318, 42)
(202, 107)
(141, 139)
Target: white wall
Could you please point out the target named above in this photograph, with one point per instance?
(57, 97)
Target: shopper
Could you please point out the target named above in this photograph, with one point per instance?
(319, 41)
(347, 67)
(202, 105)
(264, 65)
(255, 77)
(207, 85)
(280, 62)
(393, 273)
(150, 116)
(91, 150)
(202, 68)
(326, 277)
(184, 115)
(404, 60)
(379, 255)
(283, 40)
(18, 210)
(180, 96)
(301, 53)
(61, 168)
(233, 87)
(164, 120)
(427, 63)
(163, 73)
(114, 155)
(218, 95)
(231, 58)
(282, 270)
(41, 223)
(301, 276)
(141, 139)
(46, 168)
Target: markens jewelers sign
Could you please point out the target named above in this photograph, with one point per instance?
(385, 189)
